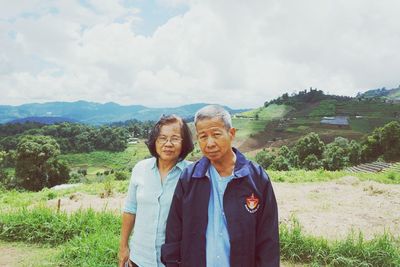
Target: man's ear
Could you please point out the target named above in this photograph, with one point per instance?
(232, 132)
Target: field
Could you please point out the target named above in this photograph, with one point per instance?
(334, 218)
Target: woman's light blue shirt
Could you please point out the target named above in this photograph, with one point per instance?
(150, 200)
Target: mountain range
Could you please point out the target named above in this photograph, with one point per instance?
(92, 113)
(97, 113)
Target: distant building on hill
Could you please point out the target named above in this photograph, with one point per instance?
(337, 121)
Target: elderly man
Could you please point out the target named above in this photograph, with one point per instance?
(224, 211)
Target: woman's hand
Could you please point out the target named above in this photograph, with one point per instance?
(123, 256)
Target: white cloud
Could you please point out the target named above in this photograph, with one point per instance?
(232, 52)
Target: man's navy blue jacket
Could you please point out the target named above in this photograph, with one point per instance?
(252, 227)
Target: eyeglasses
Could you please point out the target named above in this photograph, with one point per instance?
(162, 140)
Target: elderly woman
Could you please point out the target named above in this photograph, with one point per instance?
(150, 193)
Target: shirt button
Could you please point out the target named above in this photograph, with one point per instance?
(217, 257)
(220, 233)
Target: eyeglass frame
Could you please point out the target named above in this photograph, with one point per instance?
(177, 141)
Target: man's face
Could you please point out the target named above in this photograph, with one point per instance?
(214, 139)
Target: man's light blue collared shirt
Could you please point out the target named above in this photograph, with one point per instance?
(217, 236)
(150, 200)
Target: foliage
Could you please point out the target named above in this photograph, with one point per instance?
(354, 152)
(311, 153)
(298, 100)
(120, 176)
(280, 163)
(336, 154)
(89, 238)
(310, 144)
(4, 178)
(265, 158)
(99, 161)
(72, 137)
(311, 162)
(285, 160)
(45, 226)
(384, 141)
(325, 108)
(37, 166)
(95, 249)
(390, 140)
(298, 247)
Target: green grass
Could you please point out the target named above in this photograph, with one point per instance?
(269, 113)
(299, 129)
(303, 176)
(103, 160)
(89, 238)
(96, 249)
(368, 109)
(246, 127)
(46, 226)
(325, 108)
(11, 199)
(383, 250)
(367, 125)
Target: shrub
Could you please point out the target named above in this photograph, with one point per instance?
(311, 162)
(120, 176)
(310, 144)
(37, 165)
(280, 163)
(264, 158)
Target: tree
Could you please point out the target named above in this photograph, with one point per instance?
(311, 162)
(264, 158)
(335, 157)
(36, 163)
(383, 141)
(371, 147)
(354, 152)
(310, 144)
(390, 140)
(3, 174)
(280, 163)
(290, 157)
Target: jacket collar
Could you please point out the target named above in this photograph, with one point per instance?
(241, 167)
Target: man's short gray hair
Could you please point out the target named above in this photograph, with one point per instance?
(214, 111)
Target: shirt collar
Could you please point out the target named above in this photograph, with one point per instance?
(241, 167)
(180, 164)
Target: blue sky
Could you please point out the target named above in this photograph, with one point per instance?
(166, 53)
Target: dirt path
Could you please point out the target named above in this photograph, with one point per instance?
(328, 209)
(333, 209)
(17, 254)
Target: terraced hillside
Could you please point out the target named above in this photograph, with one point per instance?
(375, 167)
(282, 124)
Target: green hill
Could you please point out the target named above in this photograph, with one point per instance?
(285, 119)
(389, 94)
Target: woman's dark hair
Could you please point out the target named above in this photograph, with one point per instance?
(187, 143)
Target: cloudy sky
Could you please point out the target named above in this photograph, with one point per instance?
(166, 53)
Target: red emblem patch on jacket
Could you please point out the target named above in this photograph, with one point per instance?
(252, 203)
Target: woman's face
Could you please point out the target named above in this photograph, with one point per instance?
(169, 142)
